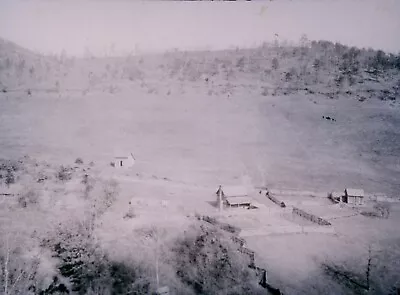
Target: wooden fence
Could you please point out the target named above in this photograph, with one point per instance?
(311, 217)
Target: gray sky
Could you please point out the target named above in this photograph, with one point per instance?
(51, 26)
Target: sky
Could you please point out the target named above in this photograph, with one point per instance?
(116, 27)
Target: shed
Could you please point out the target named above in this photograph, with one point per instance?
(124, 161)
(354, 196)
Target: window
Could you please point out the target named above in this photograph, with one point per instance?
(120, 163)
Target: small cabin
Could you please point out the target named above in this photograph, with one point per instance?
(123, 161)
(353, 196)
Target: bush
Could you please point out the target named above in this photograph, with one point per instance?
(264, 91)
(29, 197)
(130, 214)
(382, 209)
(111, 191)
(7, 171)
(9, 178)
(275, 63)
(64, 173)
(79, 161)
(12, 165)
(90, 270)
(208, 262)
(101, 203)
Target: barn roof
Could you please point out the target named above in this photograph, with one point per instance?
(234, 191)
(128, 156)
(238, 200)
(355, 192)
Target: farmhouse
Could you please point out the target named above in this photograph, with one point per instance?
(124, 161)
(354, 196)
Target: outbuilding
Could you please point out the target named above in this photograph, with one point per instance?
(354, 196)
(233, 196)
(124, 161)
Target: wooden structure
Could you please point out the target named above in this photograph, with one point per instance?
(311, 217)
(124, 161)
(353, 196)
(233, 196)
(232, 191)
(238, 201)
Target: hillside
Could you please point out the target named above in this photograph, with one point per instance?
(314, 67)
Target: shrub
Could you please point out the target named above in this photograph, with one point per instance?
(7, 171)
(79, 161)
(64, 173)
(130, 214)
(240, 63)
(101, 203)
(275, 63)
(12, 165)
(382, 209)
(9, 178)
(264, 91)
(29, 197)
(90, 270)
(89, 184)
(289, 76)
(111, 191)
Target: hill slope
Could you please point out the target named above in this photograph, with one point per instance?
(315, 67)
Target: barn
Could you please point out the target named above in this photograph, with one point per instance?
(234, 196)
(354, 196)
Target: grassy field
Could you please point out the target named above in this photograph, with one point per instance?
(189, 135)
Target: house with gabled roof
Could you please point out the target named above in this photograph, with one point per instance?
(354, 196)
